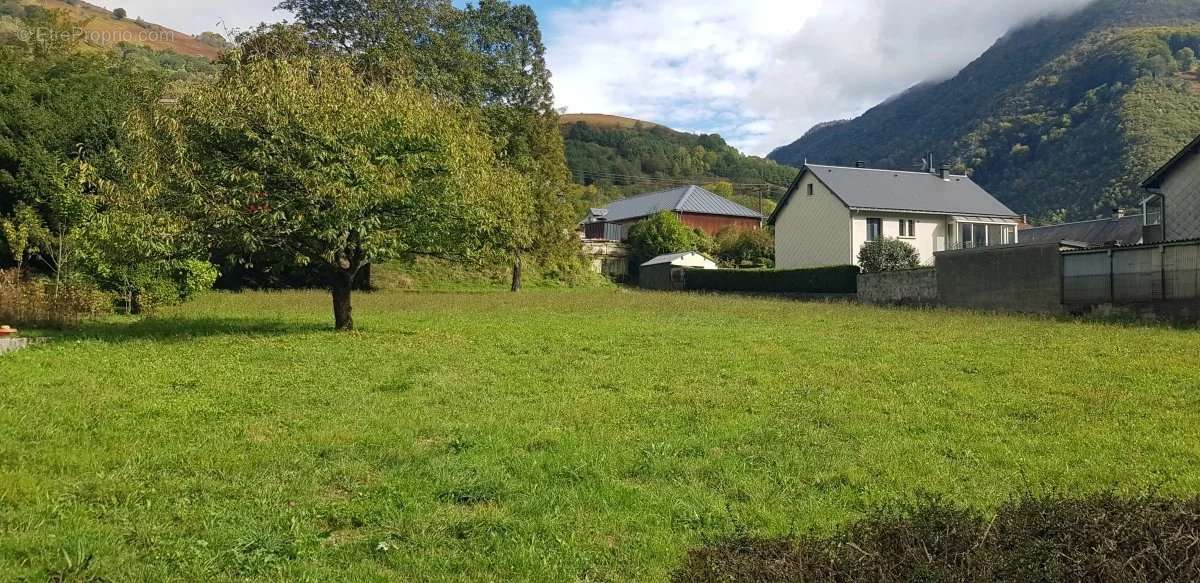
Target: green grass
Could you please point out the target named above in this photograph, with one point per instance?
(552, 435)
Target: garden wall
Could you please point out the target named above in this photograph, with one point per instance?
(1026, 277)
(908, 287)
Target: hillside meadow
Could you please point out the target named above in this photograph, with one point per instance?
(553, 435)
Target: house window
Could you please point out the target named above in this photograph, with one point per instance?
(874, 229)
(908, 228)
(986, 235)
(810, 189)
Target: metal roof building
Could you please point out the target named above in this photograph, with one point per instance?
(1096, 233)
(686, 199)
(894, 190)
(697, 207)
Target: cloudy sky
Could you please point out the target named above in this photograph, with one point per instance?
(759, 72)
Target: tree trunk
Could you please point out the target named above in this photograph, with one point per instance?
(135, 302)
(516, 274)
(343, 317)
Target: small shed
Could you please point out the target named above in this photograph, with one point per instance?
(658, 273)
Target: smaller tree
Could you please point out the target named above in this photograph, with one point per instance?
(745, 247)
(888, 255)
(22, 233)
(120, 14)
(1186, 57)
(659, 234)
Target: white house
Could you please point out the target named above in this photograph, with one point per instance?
(1176, 190)
(830, 212)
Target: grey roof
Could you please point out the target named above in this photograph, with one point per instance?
(671, 257)
(894, 190)
(685, 199)
(1157, 179)
(1102, 232)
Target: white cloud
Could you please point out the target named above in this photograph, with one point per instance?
(765, 71)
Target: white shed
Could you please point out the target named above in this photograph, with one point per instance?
(656, 273)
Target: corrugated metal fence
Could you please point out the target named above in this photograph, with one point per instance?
(1166, 272)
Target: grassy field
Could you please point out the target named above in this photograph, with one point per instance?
(551, 435)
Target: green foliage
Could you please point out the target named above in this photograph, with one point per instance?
(745, 247)
(659, 234)
(23, 232)
(1096, 537)
(618, 161)
(216, 40)
(1055, 115)
(120, 14)
(1186, 57)
(193, 277)
(823, 280)
(488, 57)
(751, 200)
(306, 157)
(888, 254)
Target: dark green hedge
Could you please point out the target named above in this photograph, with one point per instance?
(1097, 538)
(824, 280)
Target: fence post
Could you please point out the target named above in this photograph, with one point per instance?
(1112, 279)
(1162, 268)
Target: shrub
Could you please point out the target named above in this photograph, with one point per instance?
(745, 247)
(1099, 538)
(193, 277)
(120, 14)
(823, 280)
(659, 234)
(888, 255)
(37, 303)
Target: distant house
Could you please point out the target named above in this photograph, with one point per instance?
(657, 273)
(830, 212)
(1174, 207)
(1120, 230)
(697, 207)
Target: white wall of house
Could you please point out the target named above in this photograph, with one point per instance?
(812, 230)
(1182, 199)
(932, 232)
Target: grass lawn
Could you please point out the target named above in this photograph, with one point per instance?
(551, 435)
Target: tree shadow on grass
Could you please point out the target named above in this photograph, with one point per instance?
(182, 329)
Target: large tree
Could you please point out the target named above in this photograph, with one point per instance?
(489, 57)
(305, 156)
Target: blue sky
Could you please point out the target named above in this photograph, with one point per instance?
(759, 72)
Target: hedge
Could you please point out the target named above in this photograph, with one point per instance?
(1096, 538)
(824, 280)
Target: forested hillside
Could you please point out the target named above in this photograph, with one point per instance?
(617, 159)
(1060, 119)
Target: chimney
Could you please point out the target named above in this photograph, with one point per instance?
(1118, 213)
(860, 164)
(944, 172)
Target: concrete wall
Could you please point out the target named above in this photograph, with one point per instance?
(1182, 199)
(608, 258)
(812, 231)
(910, 287)
(931, 236)
(1026, 277)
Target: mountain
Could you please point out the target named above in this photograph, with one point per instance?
(612, 157)
(603, 120)
(102, 29)
(1060, 118)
